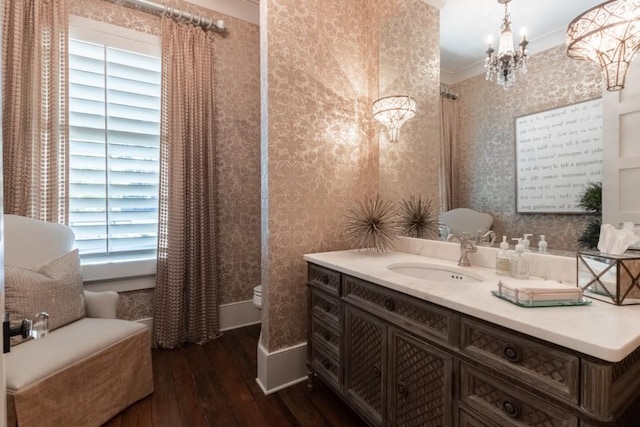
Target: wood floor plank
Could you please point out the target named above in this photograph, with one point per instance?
(337, 413)
(191, 412)
(138, 415)
(248, 340)
(299, 404)
(232, 346)
(114, 422)
(275, 411)
(243, 405)
(214, 400)
(272, 406)
(164, 402)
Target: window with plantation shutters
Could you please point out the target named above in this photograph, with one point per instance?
(114, 135)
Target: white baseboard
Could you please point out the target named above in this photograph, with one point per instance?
(282, 368)
(238, 315)
(232, 316)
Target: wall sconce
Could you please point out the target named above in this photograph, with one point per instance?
(393, 111)
(609, 35)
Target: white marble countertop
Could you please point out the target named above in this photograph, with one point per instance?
(600, 329)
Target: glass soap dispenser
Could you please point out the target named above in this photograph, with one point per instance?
(519, 262)
(503, 262)
(542, 244)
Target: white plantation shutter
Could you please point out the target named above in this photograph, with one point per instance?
(114, 133)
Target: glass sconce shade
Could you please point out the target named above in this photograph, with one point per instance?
(393, 111)
(609, 35)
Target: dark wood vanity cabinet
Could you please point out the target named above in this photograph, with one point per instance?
(420, 383)
(401, 361)
(365, 381)
(393, 378)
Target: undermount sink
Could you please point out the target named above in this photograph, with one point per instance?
(435, 273)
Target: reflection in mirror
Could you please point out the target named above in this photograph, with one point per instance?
(466, 221)
(483, 155)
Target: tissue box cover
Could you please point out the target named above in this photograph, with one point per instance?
(611, 278)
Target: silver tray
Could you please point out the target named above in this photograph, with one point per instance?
(548, 303)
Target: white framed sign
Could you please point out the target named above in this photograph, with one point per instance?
(558, 152)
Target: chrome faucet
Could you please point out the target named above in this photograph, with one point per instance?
(466, 247)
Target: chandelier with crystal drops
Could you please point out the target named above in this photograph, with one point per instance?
(503, 66)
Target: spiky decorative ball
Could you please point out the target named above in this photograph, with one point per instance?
(417, 218)
(371, 225)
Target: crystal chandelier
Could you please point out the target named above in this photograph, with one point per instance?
(609, 35)
(393, 111)
(502, 68)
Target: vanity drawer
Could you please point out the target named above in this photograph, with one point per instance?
(325, 279)
(326, 308)
(505, 405)
(546, 368)
(469, 420)
(407, 312)
(327, 367)
(326, 337)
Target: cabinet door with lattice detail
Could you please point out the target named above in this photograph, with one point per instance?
(365, 365)
(420, 383)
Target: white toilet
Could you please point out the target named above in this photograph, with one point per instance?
(257, 297)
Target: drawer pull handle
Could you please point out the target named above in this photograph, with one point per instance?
(326, 336)
(324, 279)
(326, 364)
(389, 304)
(376, 371)
(511, 407)
(402, 390)
(326, 307)
(512, 353)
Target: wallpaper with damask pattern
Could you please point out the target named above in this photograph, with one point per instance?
(135, 305)
(323, 66)
(487, 141)
(409, 55)
(237, 86)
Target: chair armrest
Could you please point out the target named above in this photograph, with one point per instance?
(101, 304)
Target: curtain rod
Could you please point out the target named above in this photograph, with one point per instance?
(177, 13)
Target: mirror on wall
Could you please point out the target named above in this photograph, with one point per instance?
(485, 166)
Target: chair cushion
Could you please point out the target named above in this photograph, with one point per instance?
(55, 288)
(35, 360)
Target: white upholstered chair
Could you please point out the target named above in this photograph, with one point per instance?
(465, 220)
(83, 373)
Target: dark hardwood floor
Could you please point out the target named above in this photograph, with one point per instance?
(214, 385)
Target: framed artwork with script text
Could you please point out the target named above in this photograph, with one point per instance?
(558, 152)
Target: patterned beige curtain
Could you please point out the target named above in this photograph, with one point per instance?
(186, 293)
(34, 108)
(448, 153)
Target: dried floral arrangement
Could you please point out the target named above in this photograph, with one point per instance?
(417, 218)
(371, 224)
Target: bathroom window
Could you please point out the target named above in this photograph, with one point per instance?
(114, 139)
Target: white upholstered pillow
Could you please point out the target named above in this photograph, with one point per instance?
(55, 287)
